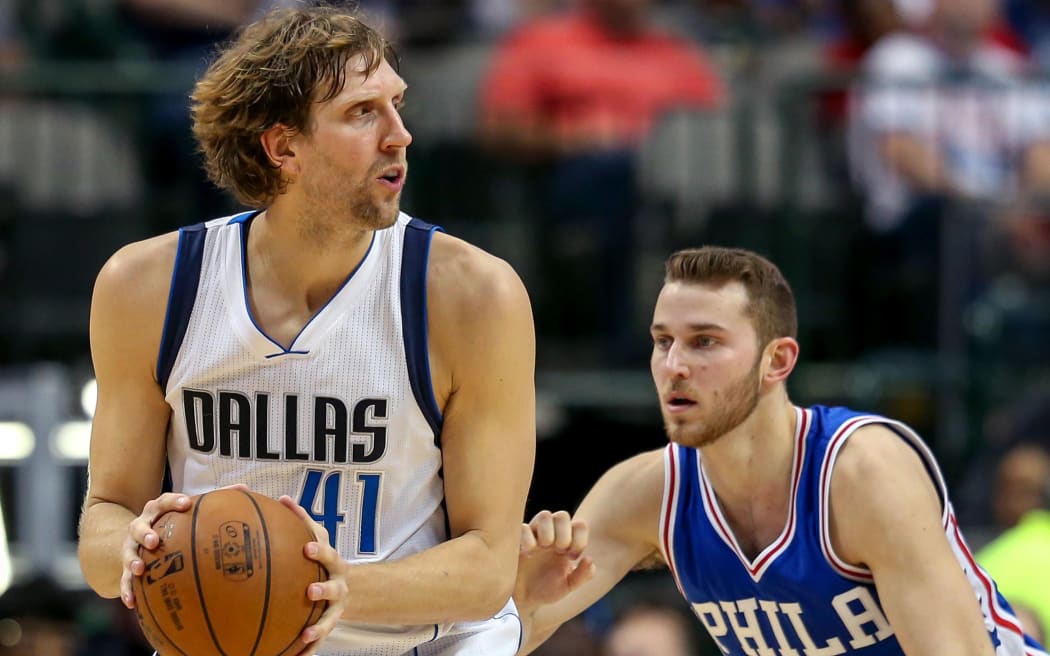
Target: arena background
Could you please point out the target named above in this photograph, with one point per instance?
(95, 152)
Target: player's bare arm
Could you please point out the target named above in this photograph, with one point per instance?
(886, 515)
(126, 463)
(622, 517)
(482, 350)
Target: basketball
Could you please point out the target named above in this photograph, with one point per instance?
(229, 577)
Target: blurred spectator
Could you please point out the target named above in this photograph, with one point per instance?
(1030, 19)
(945, 113)
(862, 23)
(941, 116)
(1017, 559)
(574, 94)
(594, 79)
(651, 629)
(1020, 482)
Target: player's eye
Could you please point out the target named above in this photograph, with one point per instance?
(358, 111)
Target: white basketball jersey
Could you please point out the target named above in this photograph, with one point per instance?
(344, 419)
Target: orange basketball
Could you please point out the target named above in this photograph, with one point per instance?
(229, 577)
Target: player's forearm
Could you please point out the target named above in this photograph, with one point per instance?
(103, 528)
(463, 579)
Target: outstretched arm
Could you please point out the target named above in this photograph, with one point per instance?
(886, 515)
(615, 528)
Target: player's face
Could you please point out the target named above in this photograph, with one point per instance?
(353, 156)
(705, 361)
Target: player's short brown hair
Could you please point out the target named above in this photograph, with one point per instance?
(271, 73)
(771, 303)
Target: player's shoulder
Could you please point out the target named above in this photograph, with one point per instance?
(130, 299)
(466, 276)
(642, 474)
(141, 268)
(644, 468)
(875, 463)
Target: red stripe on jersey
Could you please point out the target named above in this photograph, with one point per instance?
(825, 484)
(993, 598)
(672, 499)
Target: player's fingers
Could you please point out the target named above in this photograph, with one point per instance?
(141, 528)
(127, 597)
(236, 486)
(320, 532)
(543, 528)
(528, 540)
(584, 572)
(334, 591)
(562, 530)
(580, 537)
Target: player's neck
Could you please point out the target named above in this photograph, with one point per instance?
(754, 460)
(282, 255)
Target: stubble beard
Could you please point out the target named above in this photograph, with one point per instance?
(736, 405)
(322, 225)
(371, 214)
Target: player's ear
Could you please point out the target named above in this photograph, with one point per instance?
(779, 359)
(277, 143)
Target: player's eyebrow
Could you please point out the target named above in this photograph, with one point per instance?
(370, 96)
(693, 327)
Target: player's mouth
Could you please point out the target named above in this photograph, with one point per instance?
(393, 178)
(677, 403)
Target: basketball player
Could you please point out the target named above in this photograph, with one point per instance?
(789, 530)
(323, 346)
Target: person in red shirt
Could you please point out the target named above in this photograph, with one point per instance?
(594, 78)
(573, 95)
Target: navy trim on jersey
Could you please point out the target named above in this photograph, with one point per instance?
(418, 235)
(185, 278)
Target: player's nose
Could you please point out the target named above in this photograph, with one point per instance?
(398, 135)
(675, 363)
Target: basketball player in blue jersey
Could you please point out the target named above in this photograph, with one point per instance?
(323, 348)
(790, 531)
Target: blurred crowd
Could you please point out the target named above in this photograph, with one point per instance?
(893, 156)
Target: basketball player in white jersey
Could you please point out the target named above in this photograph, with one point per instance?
(324, 348)
(790, 531)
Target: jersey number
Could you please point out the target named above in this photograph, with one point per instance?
(368, 484)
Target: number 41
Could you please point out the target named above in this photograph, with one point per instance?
(368, 483)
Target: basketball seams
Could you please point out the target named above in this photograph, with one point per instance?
(156, 624)
(269, 565)
(295, 646)
(211, 629)
(196, 573)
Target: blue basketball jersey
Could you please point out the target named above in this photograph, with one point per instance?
(797, 596)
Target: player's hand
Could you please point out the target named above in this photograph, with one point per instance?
(551, 563)
(141, 533)
(334, 590)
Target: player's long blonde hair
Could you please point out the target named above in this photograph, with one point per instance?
(270, 74)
